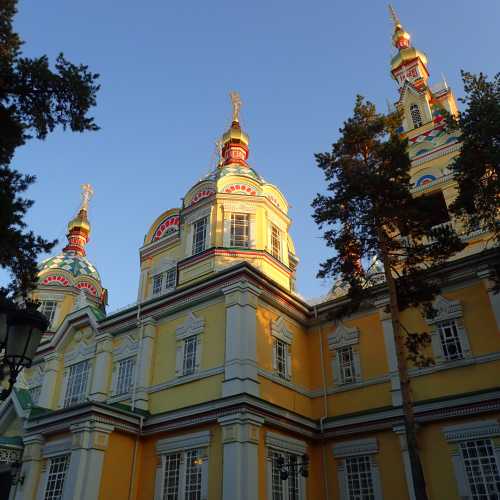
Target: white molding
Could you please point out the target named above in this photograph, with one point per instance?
(446, 310)
(59, 447)
(471, 430)
(366, 446)
(198, 214)
(163, 265)
(184, 442)
(280, 330)
(285, 443)
(82, 352)
(343, 336)
(128, 347)
(192, 326)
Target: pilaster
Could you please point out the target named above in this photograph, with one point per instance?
(240, 374)
(89, 444)
(145, 364)
(403, 443)
(390, 349)
(31, 468)
(494, 297)
(102, 370)
(240, 440)
(47, 393)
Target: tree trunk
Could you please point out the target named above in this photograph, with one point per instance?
(419, 487)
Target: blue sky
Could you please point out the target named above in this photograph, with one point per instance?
(166, 69)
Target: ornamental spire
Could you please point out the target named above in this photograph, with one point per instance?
(235, 141)
(79, 226)
(400, 38)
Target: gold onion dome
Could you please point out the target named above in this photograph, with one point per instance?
(79, 221)
(235, 134)
(234, 144)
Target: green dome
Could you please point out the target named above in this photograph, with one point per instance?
(72, 263)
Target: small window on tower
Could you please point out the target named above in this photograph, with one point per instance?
(434, 206)
(416, 117)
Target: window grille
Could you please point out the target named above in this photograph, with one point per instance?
(346, 362)
(450, 340)
(125, 376)
(276, 242)
(481, 469)
(76, 388)
(170, 278)
(416, 116)
(200, 235)
(157, 284)
(288, 489)
(58, 466)
(182, 476)
(240, 230)
(48, 309)
(281, 358)
(359, 478)
(189, 363)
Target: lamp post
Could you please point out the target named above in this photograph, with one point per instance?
(20, 335)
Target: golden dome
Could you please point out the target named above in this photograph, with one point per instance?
(407, 54)
(80, 221)
(235, 134)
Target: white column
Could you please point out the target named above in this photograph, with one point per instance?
(31, 468)
(401, 432)
(90, 440)
(144, 364)
(240, 375)
(494, 297)
(102, 369)
(47, 393)
(390, 349)
(240, 439)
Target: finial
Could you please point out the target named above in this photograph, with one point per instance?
(87, 193)
(394, 16)
(236, 103)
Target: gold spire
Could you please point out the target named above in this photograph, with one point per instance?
(236, 104)
(79, 226)
(235, 141)
(400, 38)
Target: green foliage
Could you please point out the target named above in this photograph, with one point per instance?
(477, 167)
(369, 212)
(34, 100)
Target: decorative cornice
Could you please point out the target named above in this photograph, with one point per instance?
(279, 329)
(472, 430)
(186, 441)
(192, 326)
(285, 443)
(343, 336)
(445, 310)
(367, 446)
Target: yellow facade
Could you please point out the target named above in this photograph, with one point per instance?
(221, 367)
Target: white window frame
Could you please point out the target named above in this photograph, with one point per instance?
(240, 220)
(190, 331)
(164, 281)
(69, 385)
(448, 311)
(123, 364)
(342, 339)
(194, 243)
(182, 446)
(54, 450)
(282, 337)
(128, 348)
(285, 446)
(346, 450)
(276, 253)
(475, 431)
(57, 298)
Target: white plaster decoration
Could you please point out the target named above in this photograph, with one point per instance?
(144, 364)
(446, 310)
(241, 339)
(280, 330)
(82, 352)
(143, 280)
(192, 326)
(59, 447)
(356, 447)
(237, 206)
(472, 430)
(102, 367)
(128, 347)
(343, 336)
(281, 442)
(163, 265)
(194, 440)
(403, 443)
(81, 301)
(51, 369)
(198, 214)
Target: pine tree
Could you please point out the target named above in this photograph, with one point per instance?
(34, 100)
(370, 214)
(477, 168)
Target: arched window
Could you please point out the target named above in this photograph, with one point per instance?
(416, 116)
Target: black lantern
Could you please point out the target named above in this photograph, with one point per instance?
(20, 335)
(292, 466)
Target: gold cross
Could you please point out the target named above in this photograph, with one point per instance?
(87, 193)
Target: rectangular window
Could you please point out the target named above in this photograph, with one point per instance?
(76, 388)
(48, 309)
(157, 284)
(170, 278)
(56, 475)
(281, 358)
(182, 476)
(359, 478)
(346, 365)
(200, 235)
(289, 488)
(276, 242)
(481, 469)
(240, 230)
(35, 393)
(189, 363)
(125, 375)
(450, 340)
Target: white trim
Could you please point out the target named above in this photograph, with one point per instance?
(59, 447)
(81, 353)
(192, 326)
(282, 442)
(471, 430)
(343, 336)
(280, 330)
(445, 310)
(356, 447)
(128, 347)
(184, 442)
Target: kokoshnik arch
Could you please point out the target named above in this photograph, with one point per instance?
(221, 368)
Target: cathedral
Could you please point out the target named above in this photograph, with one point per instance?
(222, 382)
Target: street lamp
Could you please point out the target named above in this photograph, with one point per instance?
(20, 335)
